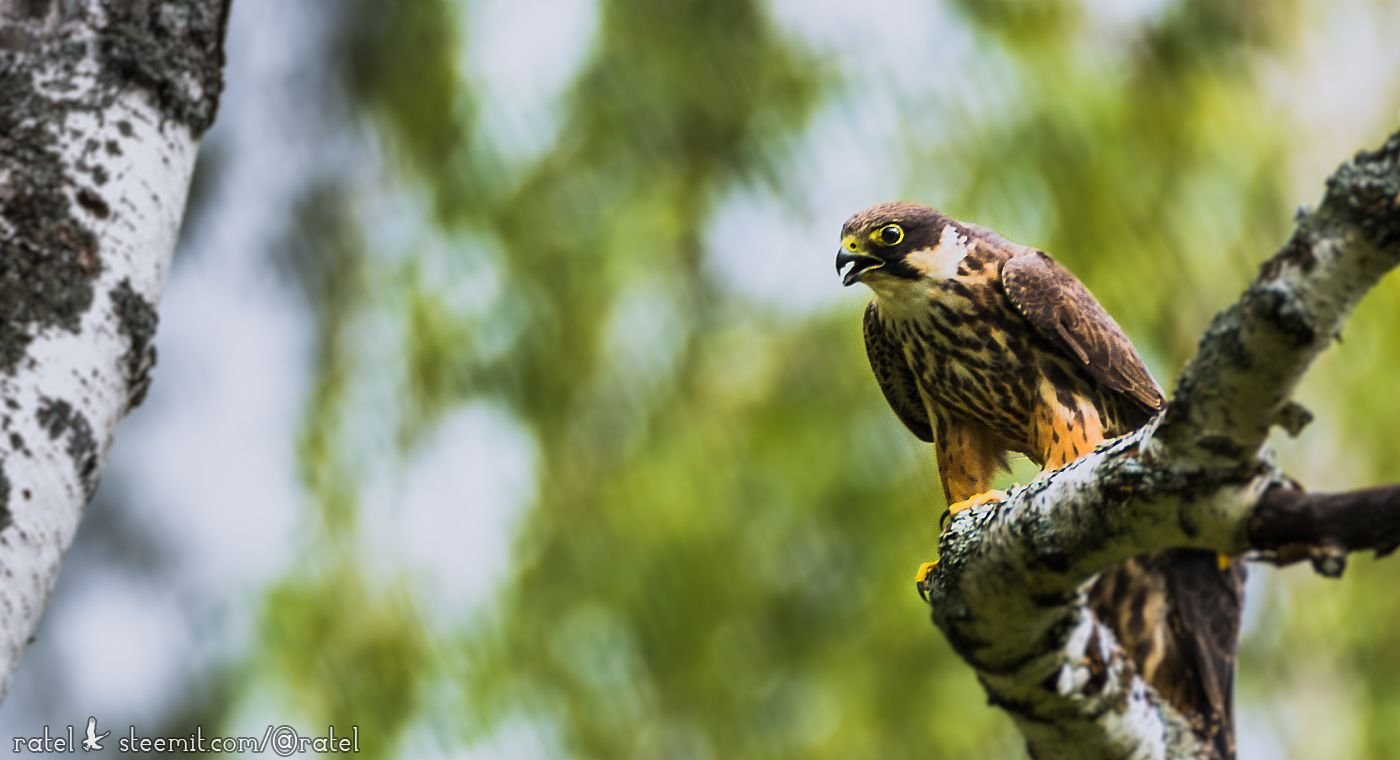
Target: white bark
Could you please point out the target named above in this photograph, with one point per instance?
(97, 159)
(1008, 591)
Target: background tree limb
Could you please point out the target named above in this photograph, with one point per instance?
(102, 104)
(1008, 592)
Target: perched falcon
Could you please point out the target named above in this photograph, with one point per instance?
(984, 347)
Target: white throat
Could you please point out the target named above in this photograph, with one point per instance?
(901, 298)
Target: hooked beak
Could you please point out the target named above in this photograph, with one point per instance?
(860, 264)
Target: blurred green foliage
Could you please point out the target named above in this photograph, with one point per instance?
(717, 558)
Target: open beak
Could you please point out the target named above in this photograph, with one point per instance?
(860, 264)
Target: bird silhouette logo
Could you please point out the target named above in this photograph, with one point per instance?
(93, 741)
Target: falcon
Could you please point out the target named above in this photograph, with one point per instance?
(984, 347)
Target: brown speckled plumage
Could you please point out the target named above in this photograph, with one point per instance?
(985, 347)
(1008, 353)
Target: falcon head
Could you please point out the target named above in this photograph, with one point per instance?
(891, 240)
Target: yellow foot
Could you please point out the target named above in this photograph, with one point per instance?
(921, 578)
(986, 497)
(1222, 562)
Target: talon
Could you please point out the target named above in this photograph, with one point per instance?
(943, 520)
(986, 497)
(921, 578)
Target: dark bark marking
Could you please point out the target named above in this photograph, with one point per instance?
(93, 203)
(1367, 191)
(1221, 445)
(6, 515)
(1296, 252)
(1285, 312)
(58, 418)
(136, 319)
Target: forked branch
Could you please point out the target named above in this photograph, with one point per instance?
(1008, 592)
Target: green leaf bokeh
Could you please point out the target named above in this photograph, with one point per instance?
(714, 555)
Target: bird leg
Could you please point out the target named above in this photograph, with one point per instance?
(968, 460)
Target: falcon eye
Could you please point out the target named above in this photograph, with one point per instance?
(891, 234)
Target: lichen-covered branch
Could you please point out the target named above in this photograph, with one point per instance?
(1255, 352)
(1009, 589)
(102, 103)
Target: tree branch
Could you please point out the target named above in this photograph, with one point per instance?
(102, 103)
(1289, 525)
(1009, 589)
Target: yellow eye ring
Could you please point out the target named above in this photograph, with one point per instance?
(889, 235)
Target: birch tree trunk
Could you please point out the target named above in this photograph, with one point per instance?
(1009, 589)
(102, 104)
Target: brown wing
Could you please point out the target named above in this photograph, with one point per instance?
(1204, 621)
(895, 377)
(1177, 614)
(1064, 311)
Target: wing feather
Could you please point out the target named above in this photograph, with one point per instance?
(1065, 312)
(1205, 625)
(1177, 614)
(895, 378)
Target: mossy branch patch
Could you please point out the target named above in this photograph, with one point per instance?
(48, 255)
(174, 50)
